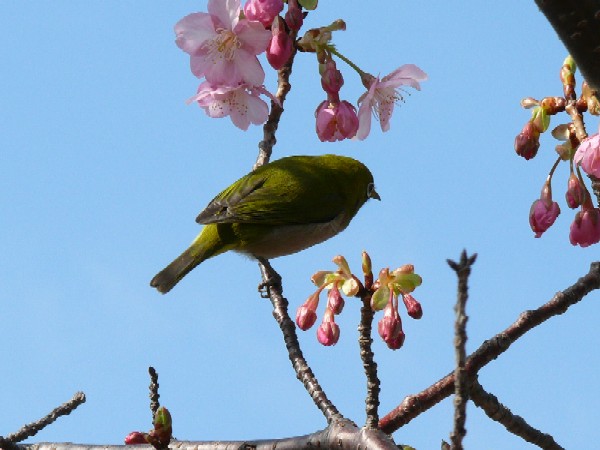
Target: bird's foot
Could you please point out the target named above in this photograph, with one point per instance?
(271, 279)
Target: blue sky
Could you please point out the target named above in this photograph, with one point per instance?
(104, 169)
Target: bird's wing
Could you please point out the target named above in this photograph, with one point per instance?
(264, 200)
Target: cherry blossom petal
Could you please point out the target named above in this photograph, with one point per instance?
(226, 11)
(408, 74)
(253, 35)
(192, 31)
(248, 69)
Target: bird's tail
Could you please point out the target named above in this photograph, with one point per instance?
(167, 278)
(206, 245)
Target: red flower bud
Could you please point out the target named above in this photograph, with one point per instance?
(335, 301)
(331, 78)
(136, 438)
(543, 212)
(281, 46)
(328, 332)
(527, 141)
(575, 192)
(294, 17)
(413, 307)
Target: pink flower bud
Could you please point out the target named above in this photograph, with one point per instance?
(585, 229)
(263, 11)
(281, 46)
(331, 78)
(575, 192)
(390, 325)
(306, 315)
(336, 121)
(305, 318)
(527, 141)
(294, 17)
(328, 332)
(335, 301)
(543, 212)
(413, 307)
(136, 438)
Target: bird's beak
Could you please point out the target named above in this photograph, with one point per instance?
(375, 195)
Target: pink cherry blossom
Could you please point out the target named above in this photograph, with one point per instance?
(382, 95)
(242, 103)
(336, 121)
(223, 47)
(263, 11)
(585, 229)
(588, 155)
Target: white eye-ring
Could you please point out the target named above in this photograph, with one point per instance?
(371, 192)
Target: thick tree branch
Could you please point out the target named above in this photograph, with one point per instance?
(413, 405)
(577, 23)
(513, 423)
(339, 435)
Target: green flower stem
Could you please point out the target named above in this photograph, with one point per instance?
(334, 51)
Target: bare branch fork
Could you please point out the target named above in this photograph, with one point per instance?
(31, 429)
(461, 391)
(413, 405)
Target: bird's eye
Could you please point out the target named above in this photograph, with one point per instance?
(370, 190)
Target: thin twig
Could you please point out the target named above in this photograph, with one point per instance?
(366, 354)
(513, 423)
(413, 405)
(272, 283)
(33, 428)
(461, 394)
(154, 403)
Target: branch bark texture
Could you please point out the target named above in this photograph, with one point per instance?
(413, 405)
(577, 23)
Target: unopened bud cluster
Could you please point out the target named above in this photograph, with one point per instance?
(579, 150)
(384, 294)
(159, 437)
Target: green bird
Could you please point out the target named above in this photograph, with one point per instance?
(278, 209)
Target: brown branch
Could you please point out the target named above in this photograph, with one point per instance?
(513, 423)
(265, 147)
(366, 354)
(577, 23)
(413, 405)
(33, 428)
(272, 283)
(341, 434)
(461, 394)
(154, 403)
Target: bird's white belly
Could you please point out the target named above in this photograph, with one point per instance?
(294, 238)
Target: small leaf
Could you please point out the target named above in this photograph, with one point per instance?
(380, 298)
(319, 277)
(309, 4)
(350, 287)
